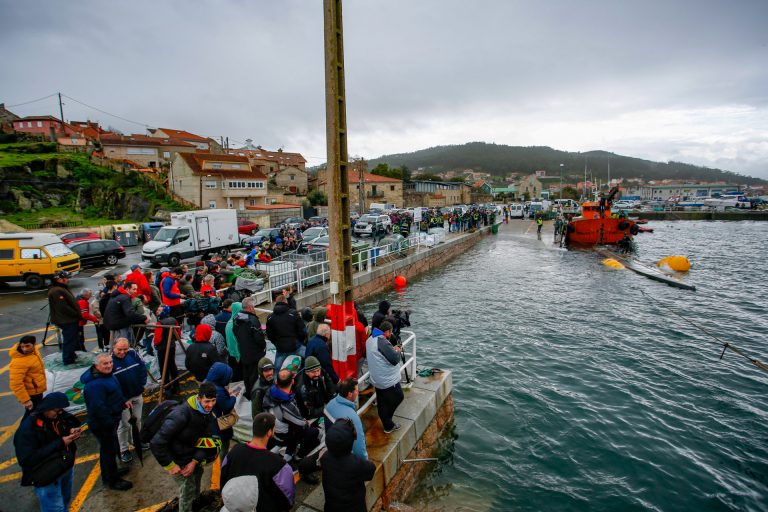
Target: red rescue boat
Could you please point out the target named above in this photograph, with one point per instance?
(597, 226)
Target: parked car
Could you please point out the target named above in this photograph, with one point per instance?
(368, 222)
(623, 205)
(314, 232)
(247, 227)
(78, 236)
(292, 222)
(98, 252)
(261, 236)
(317, 221)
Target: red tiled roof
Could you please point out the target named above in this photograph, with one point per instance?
(141, 140)
(277, 206)
(182, 134)
(281, 157)
(195, 162)
(39, 118)
(354, 177)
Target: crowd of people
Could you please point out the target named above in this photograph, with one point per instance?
(293, 397)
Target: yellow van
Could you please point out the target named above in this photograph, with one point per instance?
(34, 257)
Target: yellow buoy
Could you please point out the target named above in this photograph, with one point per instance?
(676, 263)
(612, 263)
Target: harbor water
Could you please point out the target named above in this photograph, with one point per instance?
(577, 387)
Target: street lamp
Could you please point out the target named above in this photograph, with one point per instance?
(561, 180)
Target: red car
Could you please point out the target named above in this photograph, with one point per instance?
(247, 227)
(78, 236)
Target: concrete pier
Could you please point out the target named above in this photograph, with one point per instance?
(424, 414)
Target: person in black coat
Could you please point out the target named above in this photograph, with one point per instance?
(344, 473)
(119, 315)
(314, 389)
(201, 354)
(285, 329)
(251, 342)
(380, 314)
(46, 432)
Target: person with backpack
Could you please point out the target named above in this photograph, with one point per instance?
(186, 440)
(45, 448)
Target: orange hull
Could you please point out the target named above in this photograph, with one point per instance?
(605, 230)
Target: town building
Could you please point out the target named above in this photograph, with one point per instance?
(217, 180)
(45, 126)
(375, 189)
(6, 119)
(201, 143)
(529, 187)
(678, 190)
(143, 150)
(435, 194)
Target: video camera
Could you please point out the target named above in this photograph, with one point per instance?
(399, 319)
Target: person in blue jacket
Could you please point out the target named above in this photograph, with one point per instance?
(318, 347)
(105, 402)
(220, 376)
(131, 372)
(343, 406)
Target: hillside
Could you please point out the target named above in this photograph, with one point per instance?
(38, 185)
(500, 160)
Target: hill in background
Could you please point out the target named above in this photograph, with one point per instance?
(500, 160)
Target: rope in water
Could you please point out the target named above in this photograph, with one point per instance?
(726, 345)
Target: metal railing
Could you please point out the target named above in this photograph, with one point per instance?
(409, 364)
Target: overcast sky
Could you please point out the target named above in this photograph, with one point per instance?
(662, 80)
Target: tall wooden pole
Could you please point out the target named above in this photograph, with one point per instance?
(339, 228)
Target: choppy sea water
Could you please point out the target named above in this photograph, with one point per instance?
(575, 391)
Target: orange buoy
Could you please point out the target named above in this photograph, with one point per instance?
(400, 281)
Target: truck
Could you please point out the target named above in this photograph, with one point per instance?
(34, 257)
(193, 233)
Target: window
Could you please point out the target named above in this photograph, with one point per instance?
(236, 166)
(39, 124)
(29, 124)
(141, 151)
(166, 154)
(6, 254)
(392, 188)
(212, 204)
(210, 184)
(216, 165)
(294, 177)
(182, 235)
(31, 254)
(251, 202)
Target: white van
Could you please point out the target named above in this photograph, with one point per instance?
(516, 211)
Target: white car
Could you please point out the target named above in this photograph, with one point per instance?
(365, 225)
(623, 205)
(516, 211)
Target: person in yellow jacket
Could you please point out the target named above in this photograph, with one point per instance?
(27, 373)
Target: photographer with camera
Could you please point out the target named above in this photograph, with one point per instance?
(384, 363)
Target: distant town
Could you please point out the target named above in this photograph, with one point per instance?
(202, 172)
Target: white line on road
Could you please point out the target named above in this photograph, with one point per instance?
(102, 272)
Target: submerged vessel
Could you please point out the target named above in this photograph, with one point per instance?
(597, 226)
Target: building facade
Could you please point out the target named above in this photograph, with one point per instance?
(375, 189)
(217, 181)
(682, 191)
(292, 179)
(42, 125)
(143, 150)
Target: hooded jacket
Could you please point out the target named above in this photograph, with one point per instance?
(384, 361)
(283, 407)
(120, 313)
(63, 306)
(276, 487)
(285, 328)
(320, 314)
(39, 437)
(26, 373)
(260, 387)
(201, 354)
(131, 373)
(220, 375)
(344, 474)
(137, 276)
(229, 333)
(217, 339)
(103, 398)
(312, 395)
(250, 338)
(339, 407)
(380, 314)
(186, 434)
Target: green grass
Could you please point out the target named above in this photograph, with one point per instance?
(17, 159)
(62, 214)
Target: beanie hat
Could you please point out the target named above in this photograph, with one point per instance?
(203, 332)
(240, 494)
(54, 400)
(311, 363)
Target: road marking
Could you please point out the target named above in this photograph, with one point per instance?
(9, 431)
(16, 476)
(7, 393)
(85, 490)
(153, 508)
(22, 334)
(102, 272)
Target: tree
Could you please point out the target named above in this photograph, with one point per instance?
(570, 193)
(428, 177)
(317, 198)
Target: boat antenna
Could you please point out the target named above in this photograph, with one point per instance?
(726, 345)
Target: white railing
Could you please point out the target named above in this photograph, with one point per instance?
(408, 369)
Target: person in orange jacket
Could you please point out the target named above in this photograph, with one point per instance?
(27, 373)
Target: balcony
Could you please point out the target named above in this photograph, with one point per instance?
(374, 194)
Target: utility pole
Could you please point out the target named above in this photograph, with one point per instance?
(339, 229)
(61, 109)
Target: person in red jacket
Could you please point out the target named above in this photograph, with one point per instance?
(137, 276)
(84, 301)
(169, 289)
(263, 256)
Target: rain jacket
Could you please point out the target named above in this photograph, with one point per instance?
(232, 347)
(250, 338)
(260, 388)
(201, 354)
(217, 339)
(318, 347)
(383, 360)
(27, 374)
(285, 328)
(220, 375)
(120, 314)
(339, 407)
(63, 306)
(283, 407)
(137, 276)
(103, 398)
(186, 434)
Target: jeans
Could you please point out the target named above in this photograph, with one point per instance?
(388, 399)
(69, 342)
(124, 429)
(189, 488)
(108, 450)
(281, 356)
(56, 496)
